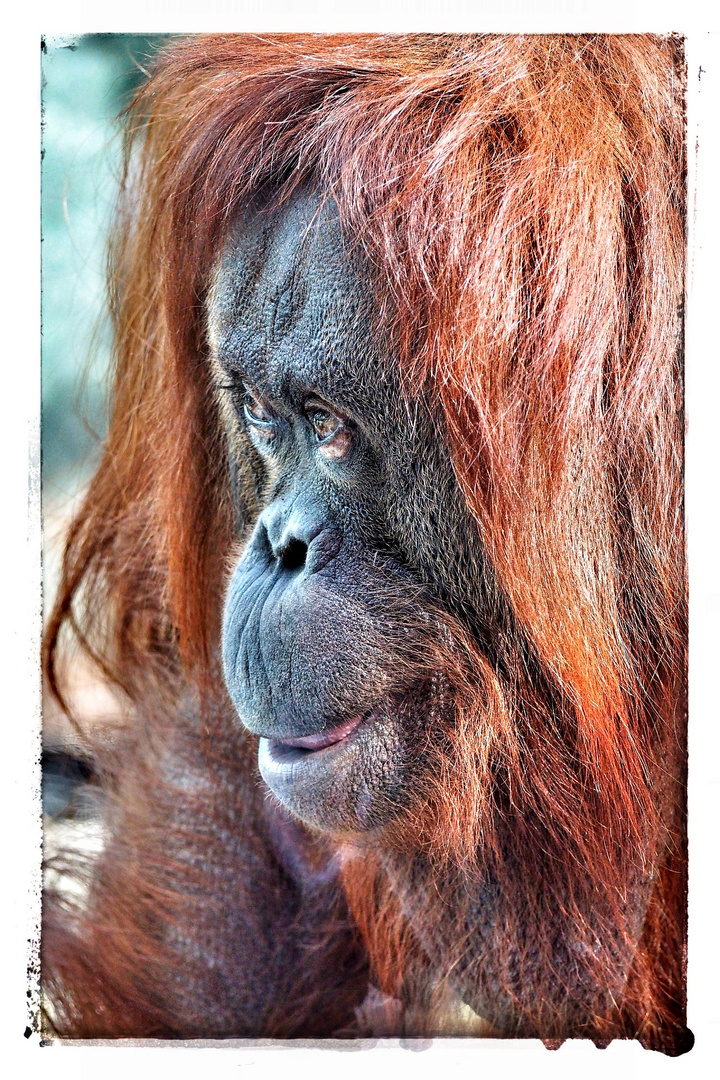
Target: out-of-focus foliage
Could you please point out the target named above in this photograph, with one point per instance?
(86, 82)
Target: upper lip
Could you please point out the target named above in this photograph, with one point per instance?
(321, 739)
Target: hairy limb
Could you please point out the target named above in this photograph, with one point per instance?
(210, 912)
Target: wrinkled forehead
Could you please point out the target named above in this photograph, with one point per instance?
(291, 299)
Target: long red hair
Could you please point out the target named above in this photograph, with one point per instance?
(521, 200)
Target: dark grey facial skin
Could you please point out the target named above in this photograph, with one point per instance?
(330, 609)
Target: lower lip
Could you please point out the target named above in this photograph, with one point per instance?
(332, 780)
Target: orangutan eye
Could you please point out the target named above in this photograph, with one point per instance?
(256, 411)
(324, 423)
(333, 434)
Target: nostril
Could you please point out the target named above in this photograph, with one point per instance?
(293, 555)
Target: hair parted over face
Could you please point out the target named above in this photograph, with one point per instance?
(391, 512)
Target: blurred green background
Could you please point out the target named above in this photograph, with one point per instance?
(86, 81)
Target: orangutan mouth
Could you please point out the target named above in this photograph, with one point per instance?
(338, 779)
(285, 750)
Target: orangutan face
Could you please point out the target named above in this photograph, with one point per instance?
(332, 607)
